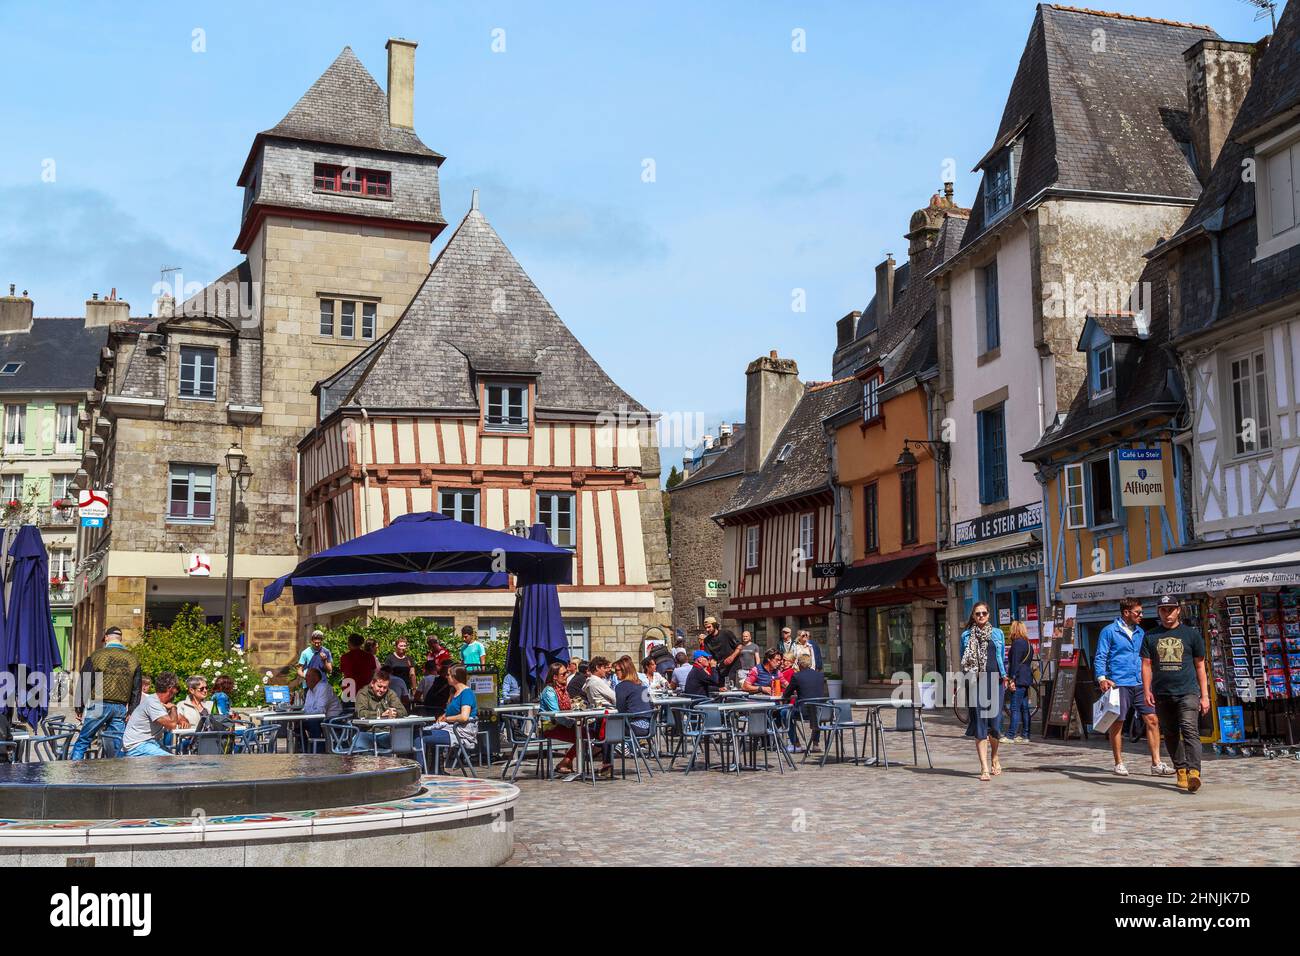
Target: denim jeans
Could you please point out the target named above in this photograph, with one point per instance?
(149, 748)
(107, 720)
(1020, 711)
(1180, 726)
(365, 741)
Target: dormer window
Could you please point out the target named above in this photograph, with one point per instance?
(784, 453)
(506, 408)
(1277, 193)
(1101, 370)
(999, 184)
(871, 399)
(373, 183)
(10, 368)
(198, 373)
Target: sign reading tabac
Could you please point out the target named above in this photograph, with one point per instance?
(1141, 477)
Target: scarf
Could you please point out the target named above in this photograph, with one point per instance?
(976, 656)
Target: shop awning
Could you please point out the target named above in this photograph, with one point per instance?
(1250, 564)
(1006, 542)
(876, 577)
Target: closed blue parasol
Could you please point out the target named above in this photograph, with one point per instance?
(536, 630)
(422, 552)
(30, 646)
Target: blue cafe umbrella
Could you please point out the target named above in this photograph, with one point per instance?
(536, 629)
(422, 552)
(30, 645)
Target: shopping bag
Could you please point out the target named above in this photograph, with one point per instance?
(1106, 711)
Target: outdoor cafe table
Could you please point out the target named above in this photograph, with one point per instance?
(379, 724)
(580, 720)
(286, 717)
(875, 705)
(515, 708)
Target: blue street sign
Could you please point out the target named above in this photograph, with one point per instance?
(92, 522)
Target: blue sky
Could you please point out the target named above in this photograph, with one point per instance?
(774, 170)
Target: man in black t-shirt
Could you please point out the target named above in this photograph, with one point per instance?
(1174, 683)
(722, 647)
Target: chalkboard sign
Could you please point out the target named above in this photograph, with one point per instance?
(1062, 697)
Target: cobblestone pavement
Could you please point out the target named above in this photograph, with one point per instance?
(1055, 803)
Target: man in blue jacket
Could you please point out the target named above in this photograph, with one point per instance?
(1118, 663)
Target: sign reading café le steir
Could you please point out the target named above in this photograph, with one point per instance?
(1141, 477)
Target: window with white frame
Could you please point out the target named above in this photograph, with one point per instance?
(751, 547)
(807, 536)
(198, 373)
(460, 504)
(66, 428)
(1248, 391)
(492, 628)
(1076, 512)
(1277, 194)
(1101, 492)
(577, 631)
(15, 427)
(190, 496)
(61, 490)
(11, 489)
(61, 564)
(355, 319)
(555, 509)
(871, 398)
(506, 408)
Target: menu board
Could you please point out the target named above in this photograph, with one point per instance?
(1066, 670)
(1062, 696)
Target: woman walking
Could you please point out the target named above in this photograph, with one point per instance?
(1021, 679)
(983, 664)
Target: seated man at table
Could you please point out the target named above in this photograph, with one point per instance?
(320, 699)
(681, 671)
(153, 717)
(762, 677)
(807, 684)
(703, 679)
(376, 701)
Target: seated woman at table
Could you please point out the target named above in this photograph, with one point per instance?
(554, 699)
(195, 707)
(461, 716)
(633, 699)
(222, 688)
(597, 690)
(657, 682)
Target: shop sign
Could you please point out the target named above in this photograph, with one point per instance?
(994, 565)
(830, 569)
(1193, 584)
(1011, 521)
(92, 507)
(715, 589)
(1141, 477)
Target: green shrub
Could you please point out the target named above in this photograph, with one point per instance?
(192, 646)
(385, 633)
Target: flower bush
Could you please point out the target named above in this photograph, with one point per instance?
(385, 632)
(192, 646)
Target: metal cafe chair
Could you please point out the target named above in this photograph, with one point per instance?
(908, 718)
(803, 714)
(833, 719)
(619, 731)
(48, 748)
(338, 735)
(459, 756)
(258, 740)
(701, 724)
(761, 728)
(524, 731)
(208, 742)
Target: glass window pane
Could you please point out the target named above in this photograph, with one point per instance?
(368, 320)
(347, 320)
(327, 317)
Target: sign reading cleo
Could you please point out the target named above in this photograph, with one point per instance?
(994, 565)
(1141, 477)
(1024, 518)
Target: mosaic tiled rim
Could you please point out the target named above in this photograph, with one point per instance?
(440, 800)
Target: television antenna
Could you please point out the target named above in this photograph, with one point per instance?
(1266, 8)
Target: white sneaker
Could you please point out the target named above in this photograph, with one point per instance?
(1161, 770)
(1008, 740)
(1121, 770)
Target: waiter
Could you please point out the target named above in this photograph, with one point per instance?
(722, 646)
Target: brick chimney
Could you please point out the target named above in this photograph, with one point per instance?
(846, 329)
(1218, 76)
(884, 290)
(101, 312)
(772, 390)
(15, 312)
(401, 82)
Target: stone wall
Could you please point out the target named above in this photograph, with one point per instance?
(697, 549)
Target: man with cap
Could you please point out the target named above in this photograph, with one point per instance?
(1174, 684)
(316, 655)
(702, 679)
(110, 686)
(722, 647)
(1118, 664)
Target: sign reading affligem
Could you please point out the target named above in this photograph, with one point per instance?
(1141, 477)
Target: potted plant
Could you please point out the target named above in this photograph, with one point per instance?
(834, 685)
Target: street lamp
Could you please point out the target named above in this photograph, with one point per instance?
(907, 459)
(240, 475)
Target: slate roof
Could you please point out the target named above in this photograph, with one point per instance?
(1107, 121)
(58, 355)
(726, 464)
(1146, 374)
(806, 469)
(477, 314)
(347, 107)
(1227, 205)
(225, 299)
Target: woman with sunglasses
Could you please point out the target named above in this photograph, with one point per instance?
(984, 666)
